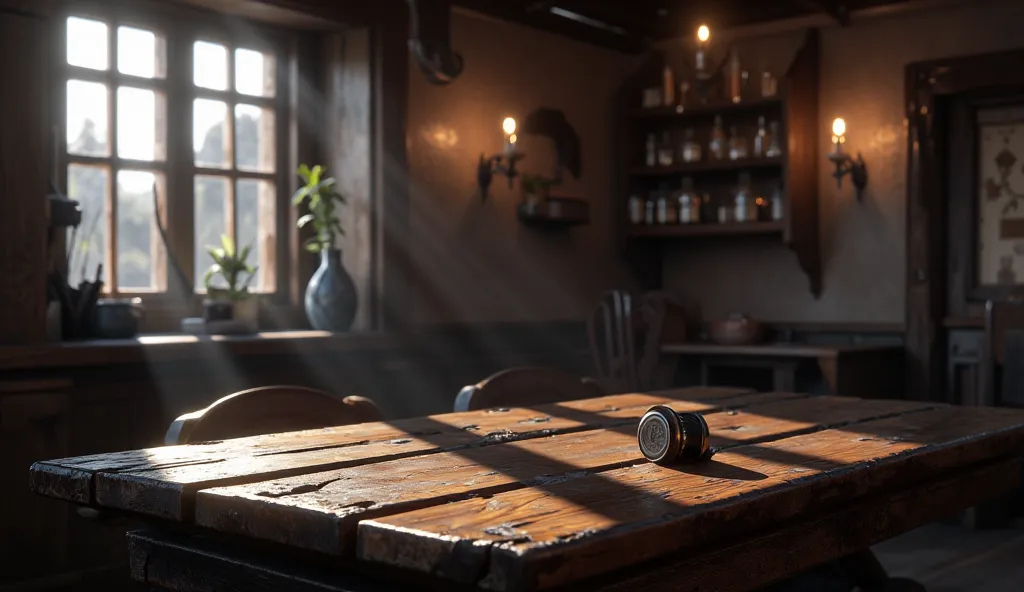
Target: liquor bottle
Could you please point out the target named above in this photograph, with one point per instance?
(665, 151)
(760, 138)
(652, 151)
(735, 77)
(691, 148)
(668, 86)
(689, 203)
(718, 140)
(737, 145)
(743, 202)
(774, 150)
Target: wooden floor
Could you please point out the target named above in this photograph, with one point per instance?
(949, 558)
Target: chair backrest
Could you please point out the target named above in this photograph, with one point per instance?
(519, 387)
(612, 343)
(1000, 319)
(626, 333)
(267, 410)
(660, 318)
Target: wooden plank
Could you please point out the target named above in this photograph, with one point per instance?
(537, 538)
(320, 511)
(154, 481)
(764, 559)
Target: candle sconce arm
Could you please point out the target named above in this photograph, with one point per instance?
(855, 167)
(498, 164)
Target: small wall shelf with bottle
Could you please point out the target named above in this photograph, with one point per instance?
(727, 159)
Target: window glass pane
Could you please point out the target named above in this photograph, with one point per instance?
(254, 138)
(210, 65)
(138, 243)
(140, 123)
(87, 125)
(254, 73)
(255, 205)
(209, 137)
(140, 53)
(211, 199)
(87, 43)
(88, 186)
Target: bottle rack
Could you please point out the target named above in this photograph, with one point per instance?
(794, 107)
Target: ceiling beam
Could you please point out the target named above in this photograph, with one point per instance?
(834, 8)
(624, 41)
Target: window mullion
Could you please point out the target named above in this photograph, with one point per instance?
(232, 205)
(111, 221)
(180, 205)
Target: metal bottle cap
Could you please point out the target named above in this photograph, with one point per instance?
(667, 437)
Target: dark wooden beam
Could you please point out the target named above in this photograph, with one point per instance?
(628, 41)
(836, 9)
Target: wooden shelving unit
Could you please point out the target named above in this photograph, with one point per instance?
(795, 108)
(696, 168)
(705, 230)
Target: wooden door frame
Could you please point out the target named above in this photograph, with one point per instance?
(928, 86)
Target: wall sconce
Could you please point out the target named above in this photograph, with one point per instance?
(846, 164)
(500, 164)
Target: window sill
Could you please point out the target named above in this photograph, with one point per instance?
(175, 347)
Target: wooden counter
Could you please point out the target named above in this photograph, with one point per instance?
(853, 370)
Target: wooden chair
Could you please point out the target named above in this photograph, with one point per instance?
(1001, 319)
(267, 410)
(519, 387)
(626, 333)
(612, 344)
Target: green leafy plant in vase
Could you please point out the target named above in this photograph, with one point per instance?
(331, 299)
(233, 300)
(536, 189)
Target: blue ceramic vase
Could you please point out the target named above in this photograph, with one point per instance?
(331, 298)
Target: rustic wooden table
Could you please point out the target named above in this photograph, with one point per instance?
(555, 496)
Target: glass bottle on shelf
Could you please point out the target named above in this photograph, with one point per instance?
(735, 77)
(689, 203)
(774, 150)
(636, 209)
(717, 144)
(665, 151)
(649, 205)
(668, 86)
(743, 202)
(691, 148)
(665, 212)
(737, 145)
(778, 208)
(652, 151)
(760, 139)
(769, 85)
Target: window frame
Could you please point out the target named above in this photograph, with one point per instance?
(180, 27)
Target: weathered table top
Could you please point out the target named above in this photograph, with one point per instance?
(557, 495)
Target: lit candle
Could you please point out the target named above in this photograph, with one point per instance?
(703, 35)
(509, 127)
(838, 134)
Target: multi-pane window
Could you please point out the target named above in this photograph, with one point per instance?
(124, 142)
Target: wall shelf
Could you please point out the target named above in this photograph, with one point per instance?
(696, 168)
(795, 109)
(641, 231)
(709, 110)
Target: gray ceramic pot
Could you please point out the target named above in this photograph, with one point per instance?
(331, 298)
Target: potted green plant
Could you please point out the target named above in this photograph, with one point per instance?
(536, 189)
(233, 299)
(331, 298)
